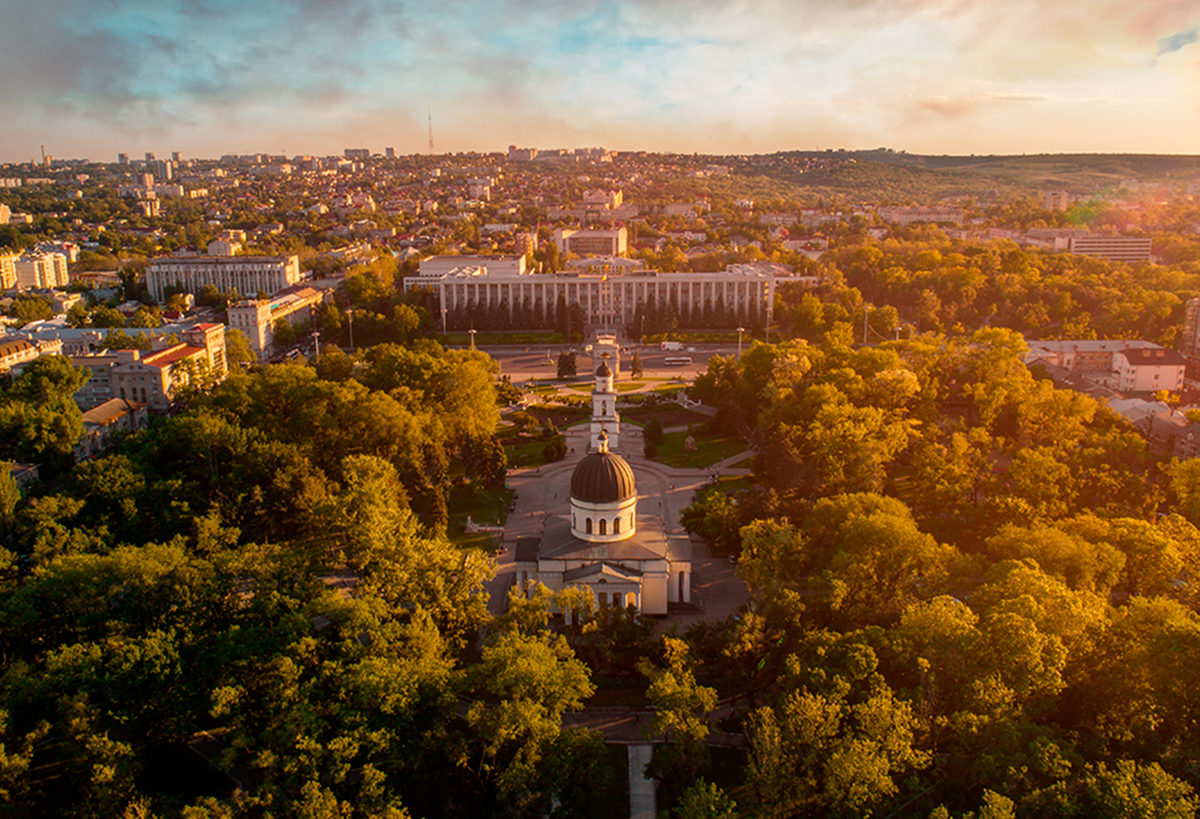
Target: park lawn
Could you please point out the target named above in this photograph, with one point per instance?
(710, 448)
(487, 506)
(669, 415)
(560, 415)
(522, 451)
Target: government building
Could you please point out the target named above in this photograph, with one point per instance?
(248, 275)
(609, 290)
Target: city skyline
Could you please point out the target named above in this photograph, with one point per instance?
(927, 76)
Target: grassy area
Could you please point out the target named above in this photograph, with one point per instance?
(560, 415)
(669, 415)
(486, 506)
(521, 450)
(732, 483)
(709, 449)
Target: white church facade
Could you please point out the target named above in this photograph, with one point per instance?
(603, 543)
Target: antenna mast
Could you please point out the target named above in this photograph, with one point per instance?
(430, 133)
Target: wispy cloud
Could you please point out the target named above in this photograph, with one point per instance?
(1178, 40)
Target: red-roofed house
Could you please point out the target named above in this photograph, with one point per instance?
(1148, 369)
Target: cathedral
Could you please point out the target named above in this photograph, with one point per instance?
(603, 542)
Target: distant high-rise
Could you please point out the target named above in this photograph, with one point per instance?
(176, 156)
(162, 169)
(149, 157)
(357, 153)
(390, 153)
(122, 159)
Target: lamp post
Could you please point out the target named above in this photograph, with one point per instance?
(443, 321)
(472, 332)
(740, 331)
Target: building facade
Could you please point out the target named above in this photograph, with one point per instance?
(8, 271)
(740, 294)
(154, 378)
(1148, 370)
(605, 546)
(256, 317)
(1112, 248)
(41, 271)
(245, 274)
(592, 242)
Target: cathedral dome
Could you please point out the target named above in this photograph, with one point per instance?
(602, 477)
(603, 370)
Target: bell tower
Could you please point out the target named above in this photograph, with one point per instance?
(605, 419)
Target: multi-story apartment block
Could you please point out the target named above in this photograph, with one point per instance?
(257, 317)
(1112, 248)
(8, 270)
(245, 274)
(41, 270)
(592, 242)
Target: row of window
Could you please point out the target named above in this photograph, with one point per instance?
(601, 525)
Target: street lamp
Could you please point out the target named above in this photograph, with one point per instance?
(472, 332)
(740, 331)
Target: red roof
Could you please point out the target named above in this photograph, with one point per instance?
(167, 357)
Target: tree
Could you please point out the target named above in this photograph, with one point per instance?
(523, 684)
(27, 307)
(635, 365)
(566, 364)
(237, 348)
(831, 753)
(681, 715)
(706, 800)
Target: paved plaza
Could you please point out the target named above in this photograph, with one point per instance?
(662, 490)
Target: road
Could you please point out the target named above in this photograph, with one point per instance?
(541, 361)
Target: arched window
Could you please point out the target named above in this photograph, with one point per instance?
(603, 526)
(616, 526)
(572, 520)
(587, 526)
(604, 408)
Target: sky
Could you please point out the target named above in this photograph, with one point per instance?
(90, 78)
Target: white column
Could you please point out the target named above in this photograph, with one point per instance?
(687, 586)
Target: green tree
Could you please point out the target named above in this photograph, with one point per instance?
(566, 365)
(636, 368)
(237, 348)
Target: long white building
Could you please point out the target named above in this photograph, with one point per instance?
(610, 294)
(248, 275)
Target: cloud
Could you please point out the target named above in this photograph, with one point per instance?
(1177, 41)
(953, 107)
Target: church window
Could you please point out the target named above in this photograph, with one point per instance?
(587, 525)
(603, 526)
(616, 526)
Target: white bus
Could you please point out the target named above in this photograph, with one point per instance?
(677, 360)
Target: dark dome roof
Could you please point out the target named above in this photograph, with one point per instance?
(602, 477)
(603, 369)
